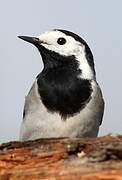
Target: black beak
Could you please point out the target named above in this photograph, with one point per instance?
(32, 40)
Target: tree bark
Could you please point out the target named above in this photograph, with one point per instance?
(62, 158)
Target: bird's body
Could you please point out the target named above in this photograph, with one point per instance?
(65, 99)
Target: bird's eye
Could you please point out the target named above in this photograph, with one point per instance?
(61, 41)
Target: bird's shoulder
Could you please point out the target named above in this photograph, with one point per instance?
(32, 99)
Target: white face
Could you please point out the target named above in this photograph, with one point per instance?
(69, 48)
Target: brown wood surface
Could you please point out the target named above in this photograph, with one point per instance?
(60, 159)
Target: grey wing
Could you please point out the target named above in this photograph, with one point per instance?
(102, 110)
(24, 112)
(30, 100)
(99, 103)
(25, 108)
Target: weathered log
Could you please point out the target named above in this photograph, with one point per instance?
(62, 158)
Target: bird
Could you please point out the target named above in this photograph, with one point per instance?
(65, 99)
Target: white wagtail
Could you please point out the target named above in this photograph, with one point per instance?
(65, 99)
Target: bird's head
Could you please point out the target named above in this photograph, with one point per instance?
(59, 46)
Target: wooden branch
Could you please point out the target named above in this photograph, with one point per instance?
(62, 158)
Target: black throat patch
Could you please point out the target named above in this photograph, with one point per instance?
(60, 88)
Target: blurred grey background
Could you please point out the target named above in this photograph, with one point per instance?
(98, 22)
